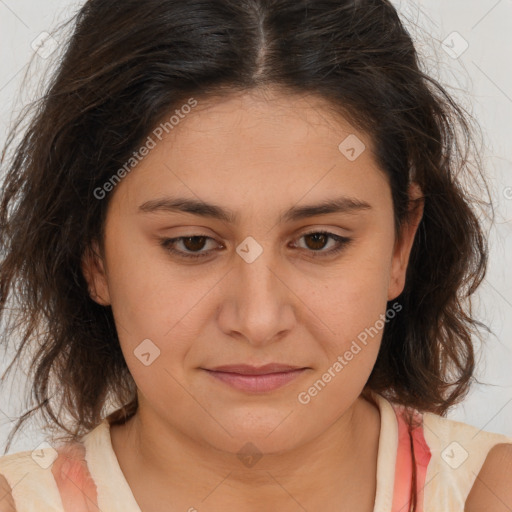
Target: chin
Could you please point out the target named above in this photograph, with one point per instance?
(270, 435)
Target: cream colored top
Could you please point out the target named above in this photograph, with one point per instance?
(457, 452)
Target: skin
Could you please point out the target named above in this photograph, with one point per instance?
(257, 154)
(492, 489)
(283, 307)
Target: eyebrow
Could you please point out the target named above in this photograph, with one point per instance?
(341, 204)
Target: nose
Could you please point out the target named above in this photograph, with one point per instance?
(260, 306)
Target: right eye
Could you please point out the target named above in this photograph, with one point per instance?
(192, 244)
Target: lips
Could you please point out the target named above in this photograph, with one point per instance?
(245, 369)
(256, 379)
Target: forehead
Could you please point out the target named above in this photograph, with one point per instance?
(263, 145)
(262, 120)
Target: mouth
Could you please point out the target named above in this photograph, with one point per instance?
(256, 379)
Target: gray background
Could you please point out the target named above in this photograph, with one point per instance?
(480, 77)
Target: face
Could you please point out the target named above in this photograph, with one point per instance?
(255, 273)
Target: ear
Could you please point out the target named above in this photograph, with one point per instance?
(404, 242)
(93, 268)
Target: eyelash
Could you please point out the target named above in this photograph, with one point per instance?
(342, 243)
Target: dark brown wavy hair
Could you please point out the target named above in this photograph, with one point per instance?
(126, 65)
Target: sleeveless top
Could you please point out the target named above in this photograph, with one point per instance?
(448, 456)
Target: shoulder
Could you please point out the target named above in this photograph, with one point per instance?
(6, 499)
(454, 438)
(492, 490)
(462, 455)
(17, 467)
(47, 477)
(23, 476)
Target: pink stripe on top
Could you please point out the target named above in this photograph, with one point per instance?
(403, 468)
(77, 489)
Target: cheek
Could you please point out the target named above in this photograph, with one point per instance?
(354, 308)
(355, 295)
(353, 305)
(144, 289)
(147, 301)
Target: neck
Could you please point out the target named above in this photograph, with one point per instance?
(168, 463)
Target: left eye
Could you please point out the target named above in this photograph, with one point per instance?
(319, 240)
(315, 243)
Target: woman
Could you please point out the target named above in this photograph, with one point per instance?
(239, 230)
